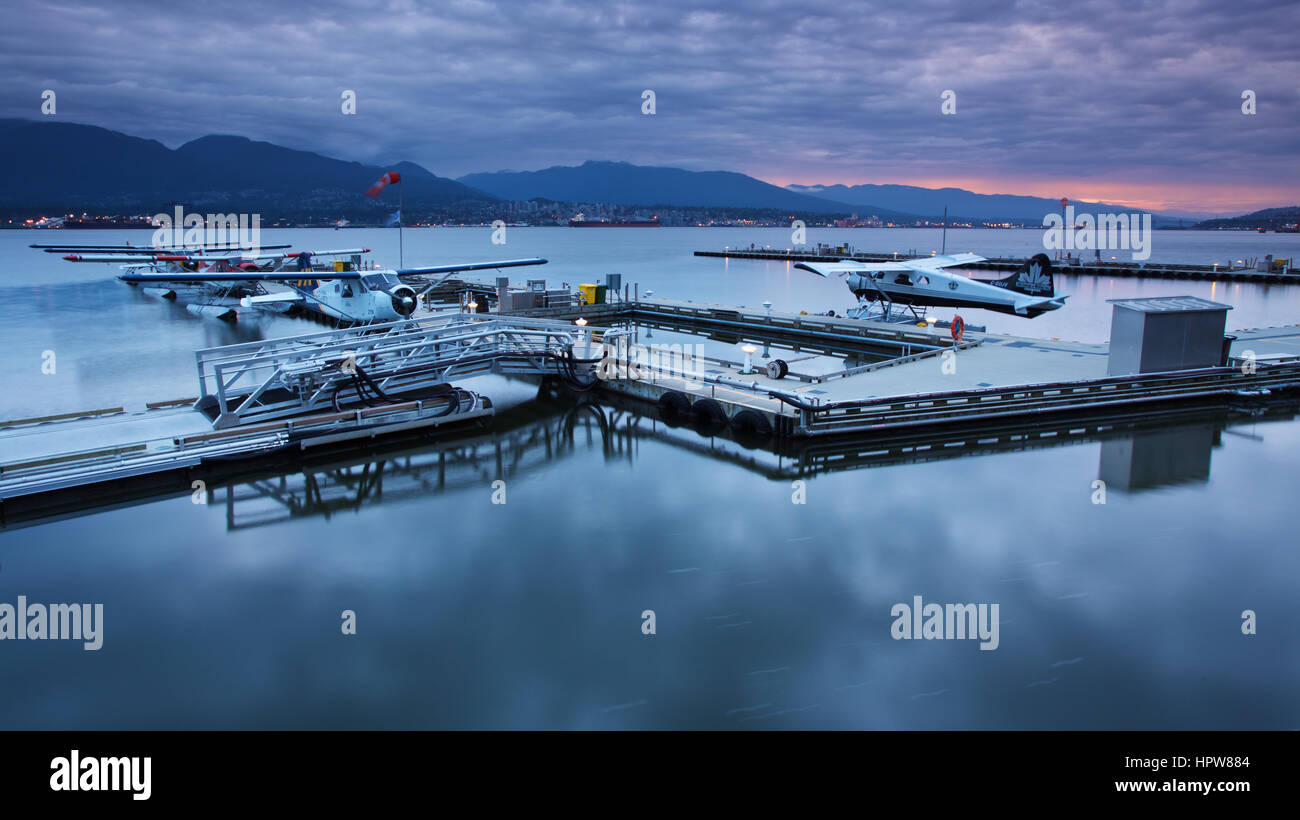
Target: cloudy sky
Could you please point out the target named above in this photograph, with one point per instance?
(1132, 102)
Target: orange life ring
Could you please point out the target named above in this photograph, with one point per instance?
(958, 327)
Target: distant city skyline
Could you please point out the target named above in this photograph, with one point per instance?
(1093, 100)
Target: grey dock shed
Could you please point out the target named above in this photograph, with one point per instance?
(1164, 333)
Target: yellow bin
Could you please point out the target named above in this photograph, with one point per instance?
(340, 265)
(588, 294)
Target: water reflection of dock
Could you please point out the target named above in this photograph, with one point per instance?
(1158, 458)
(1168, 451)
(1138, 451)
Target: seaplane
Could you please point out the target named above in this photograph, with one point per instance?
(215, 281)
(924, 282)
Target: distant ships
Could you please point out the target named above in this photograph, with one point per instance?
(581, 221)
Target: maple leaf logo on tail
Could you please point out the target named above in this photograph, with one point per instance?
(1035, 279)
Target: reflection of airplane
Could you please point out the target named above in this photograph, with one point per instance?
(912, 282)
(219, 280)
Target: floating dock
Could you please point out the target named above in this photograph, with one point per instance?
(262, 401)
(908, 376)
(264, 405)
(1149, 270)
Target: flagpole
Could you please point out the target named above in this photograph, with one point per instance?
(401, 251)
(944, 251)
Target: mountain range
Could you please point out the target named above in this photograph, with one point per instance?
(58, 167)
(958, 201)
(621, 183)
(1270, 219)
(66, 166)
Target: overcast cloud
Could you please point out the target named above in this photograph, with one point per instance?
(1124, 101)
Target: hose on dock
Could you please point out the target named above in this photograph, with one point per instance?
(568, 365)
(368, 391)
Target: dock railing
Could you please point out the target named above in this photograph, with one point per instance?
(255, 381)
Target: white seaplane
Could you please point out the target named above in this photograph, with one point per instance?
(923, 282)
(216, 280)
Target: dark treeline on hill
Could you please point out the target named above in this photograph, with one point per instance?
(59, 168)
(1270, 219)
(622, 183)
(543, 211)
(970, 205)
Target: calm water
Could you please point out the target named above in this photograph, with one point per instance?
(769, 614)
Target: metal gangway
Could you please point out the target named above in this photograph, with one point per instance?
(371, 365)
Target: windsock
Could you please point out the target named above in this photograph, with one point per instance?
(390, 178)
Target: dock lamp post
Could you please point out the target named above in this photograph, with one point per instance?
(586, 337)
(648, 330)
(767, 307)
(748, 369)
(931, 321)
(473, 306)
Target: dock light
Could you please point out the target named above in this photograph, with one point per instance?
(748, 369)
(767, 306)
(473, 307)
(932, 321)
(586, 336)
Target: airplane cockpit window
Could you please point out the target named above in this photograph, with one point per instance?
(902, 279)
(381, 281)
(347, 290)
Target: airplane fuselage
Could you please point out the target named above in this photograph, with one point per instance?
(1027, 293)
(375, 297)
(954, 291)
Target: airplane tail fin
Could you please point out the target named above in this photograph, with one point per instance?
(1034, 279)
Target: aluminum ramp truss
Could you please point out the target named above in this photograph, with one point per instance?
(370, 365)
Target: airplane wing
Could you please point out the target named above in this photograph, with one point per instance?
(928, 263)
(932, 262)
(271, 298)
(94, 257)
(509, 263)
(343, 252)
(138, 249)
(843, 268)
(241, 276)
(140, 255)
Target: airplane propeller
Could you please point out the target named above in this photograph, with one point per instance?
(404, 300)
